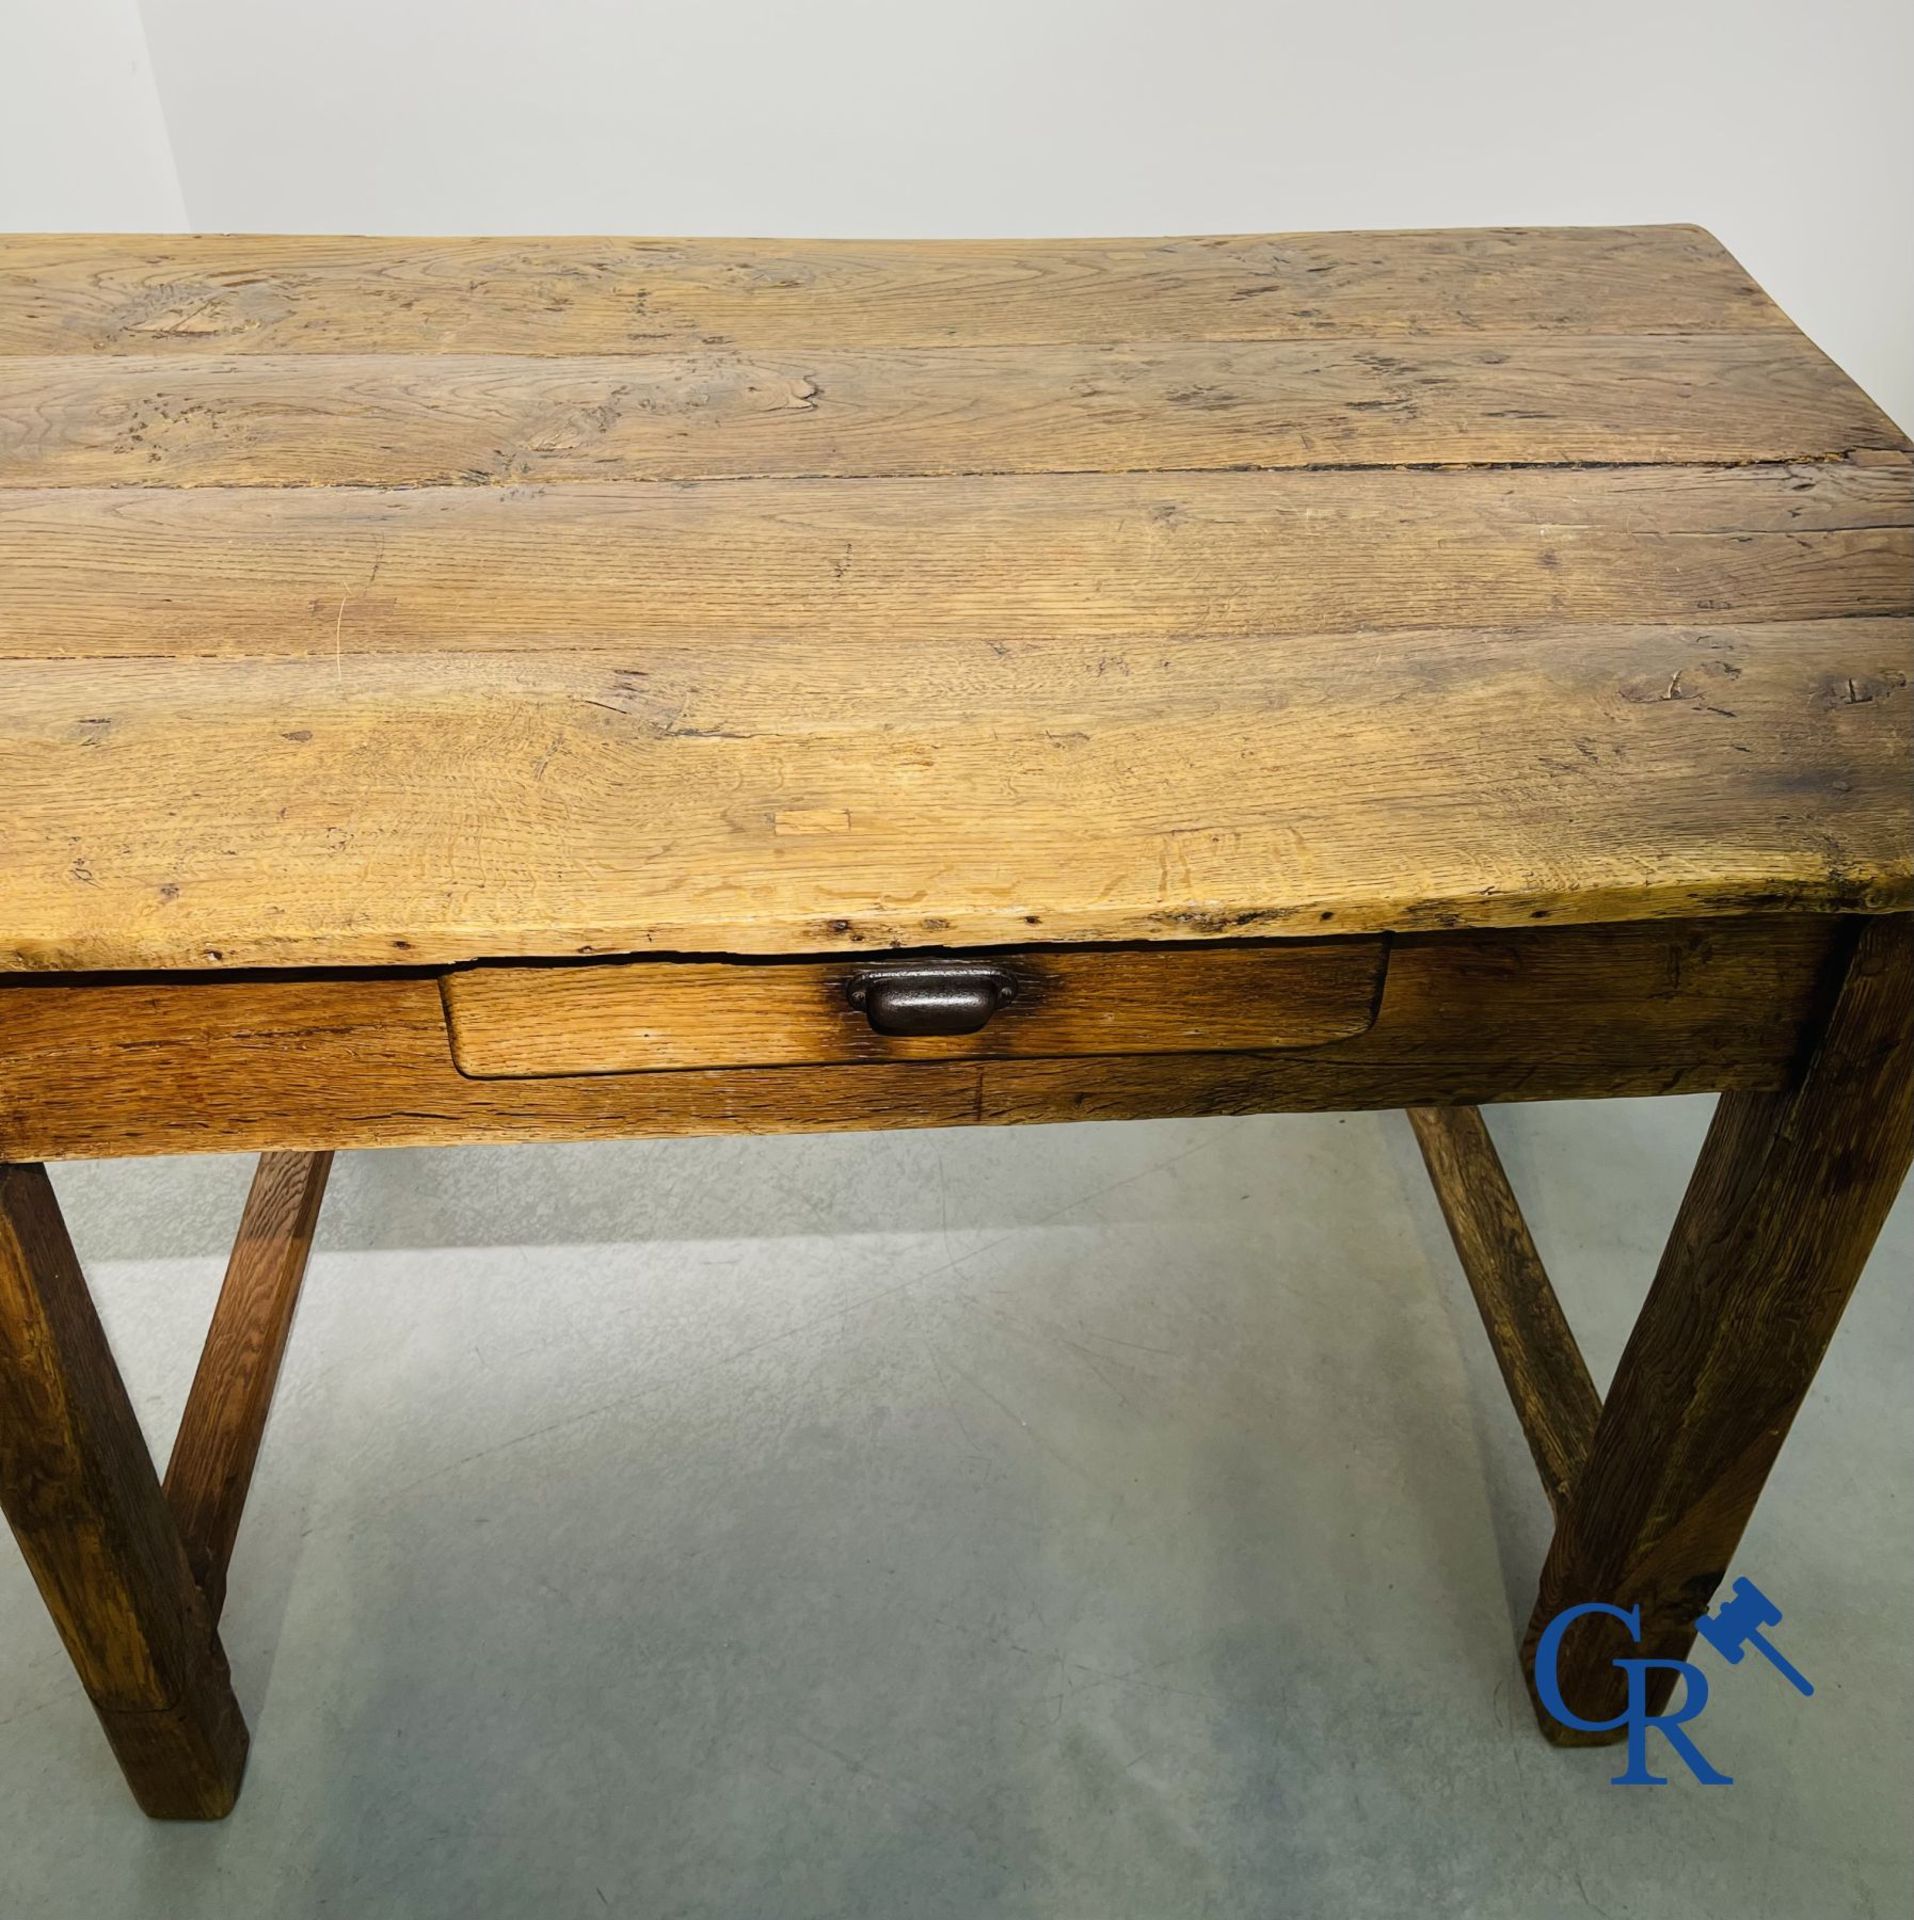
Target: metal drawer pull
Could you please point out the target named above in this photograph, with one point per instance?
(952, 999)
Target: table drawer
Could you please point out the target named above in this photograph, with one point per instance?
(525, 1021)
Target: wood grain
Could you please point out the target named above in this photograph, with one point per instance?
(260, 293)
(85, 1505)
(946, 792)
(1534, 1347)
(1784, 1206)
(484, 419)
(843, 566)
(394, 601)
(217, 1446)
(224, 1062)
(657, 1015)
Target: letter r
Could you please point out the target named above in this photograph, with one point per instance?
(1694, 1698)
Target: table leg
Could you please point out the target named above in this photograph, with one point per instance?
(84, 1501)
(1784, 1205)
(217, 1446)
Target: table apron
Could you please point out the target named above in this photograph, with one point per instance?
(94, 1066)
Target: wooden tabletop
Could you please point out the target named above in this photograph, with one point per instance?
(422, 600)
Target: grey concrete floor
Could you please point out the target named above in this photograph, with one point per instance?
(1089, 1521)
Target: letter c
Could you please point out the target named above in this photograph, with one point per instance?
(1548, 1682)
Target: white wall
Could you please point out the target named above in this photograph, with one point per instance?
(1787, 126)
(83, 142)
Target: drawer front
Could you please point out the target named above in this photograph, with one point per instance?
(649, 1016)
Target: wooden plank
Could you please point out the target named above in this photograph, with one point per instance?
(1785, 1203)
(429, 420)
(239, 293)
(217, 1445)
(934, 791)
(656, 1015)
(200, 1063)
(1542, 1367)
(85, 1505)
(344, 724)
(839, 566)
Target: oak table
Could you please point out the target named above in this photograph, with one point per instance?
(468, 690)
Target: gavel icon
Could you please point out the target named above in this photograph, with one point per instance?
(1736, 1626)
